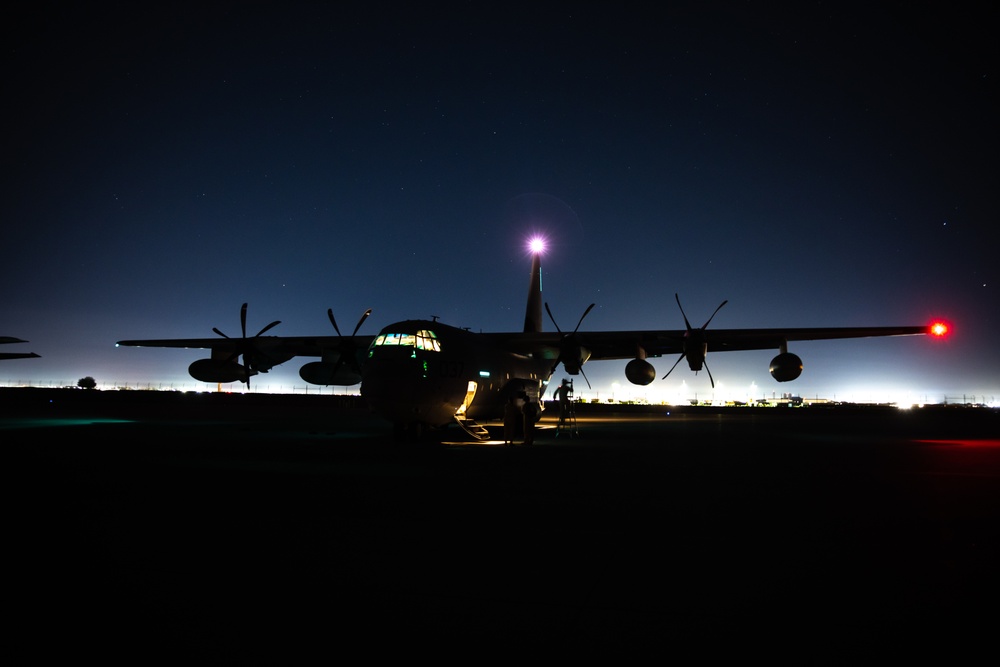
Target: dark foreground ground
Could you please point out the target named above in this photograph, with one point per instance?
(226, 527)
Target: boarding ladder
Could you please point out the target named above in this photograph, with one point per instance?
(470, 426)
(566, 426)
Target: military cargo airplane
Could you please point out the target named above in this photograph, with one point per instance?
(422, 374)
(15, 355)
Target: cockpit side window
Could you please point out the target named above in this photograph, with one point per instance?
(427, 340)
(422, 340)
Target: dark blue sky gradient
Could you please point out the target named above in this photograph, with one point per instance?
(833, 165)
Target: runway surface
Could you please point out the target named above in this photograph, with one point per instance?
(148, 523)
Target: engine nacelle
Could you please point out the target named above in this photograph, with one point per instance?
(322, 372)
(786, 367)
(574, 358)
(211, 370)
(640, 371)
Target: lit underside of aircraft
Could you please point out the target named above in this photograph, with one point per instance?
(422, 375)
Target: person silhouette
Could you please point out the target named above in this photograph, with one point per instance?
(562, 393)
(530, 411)
(511, 416)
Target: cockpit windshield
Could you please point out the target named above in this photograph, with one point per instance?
(422, 340)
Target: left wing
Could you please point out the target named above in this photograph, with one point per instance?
(15, 355)
(288, 346)
(238, 359)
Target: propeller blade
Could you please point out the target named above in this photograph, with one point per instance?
(329, 313)
(693, 337)
(360, 322)
(686, 323)
(347, 348)
(554, 323)
(674, 366)
(245, 348)
(585, 377)
(704, 326)
(568, 341)
(340, 362)
(269, 326)
(589, 308)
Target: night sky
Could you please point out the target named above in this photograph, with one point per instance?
(833, 164)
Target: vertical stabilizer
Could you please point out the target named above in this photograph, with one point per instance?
(533, 313)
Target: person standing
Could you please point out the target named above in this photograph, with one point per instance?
(530, 411)
(511, 416)
(562, 393)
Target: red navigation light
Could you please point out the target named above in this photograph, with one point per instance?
(939, 329)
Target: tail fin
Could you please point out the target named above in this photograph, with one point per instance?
(533, 313)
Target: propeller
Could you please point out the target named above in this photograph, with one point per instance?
(245, 346)
(347, 348)
(569, 345)
(695, 337)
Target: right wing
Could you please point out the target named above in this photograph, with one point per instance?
(575, 349)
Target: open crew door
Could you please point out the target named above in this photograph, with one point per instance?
(470, 426)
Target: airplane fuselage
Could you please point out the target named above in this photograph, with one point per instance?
(425, 372)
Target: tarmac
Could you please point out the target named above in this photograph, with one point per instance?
(244, 527)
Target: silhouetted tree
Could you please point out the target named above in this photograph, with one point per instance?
(86, 383)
